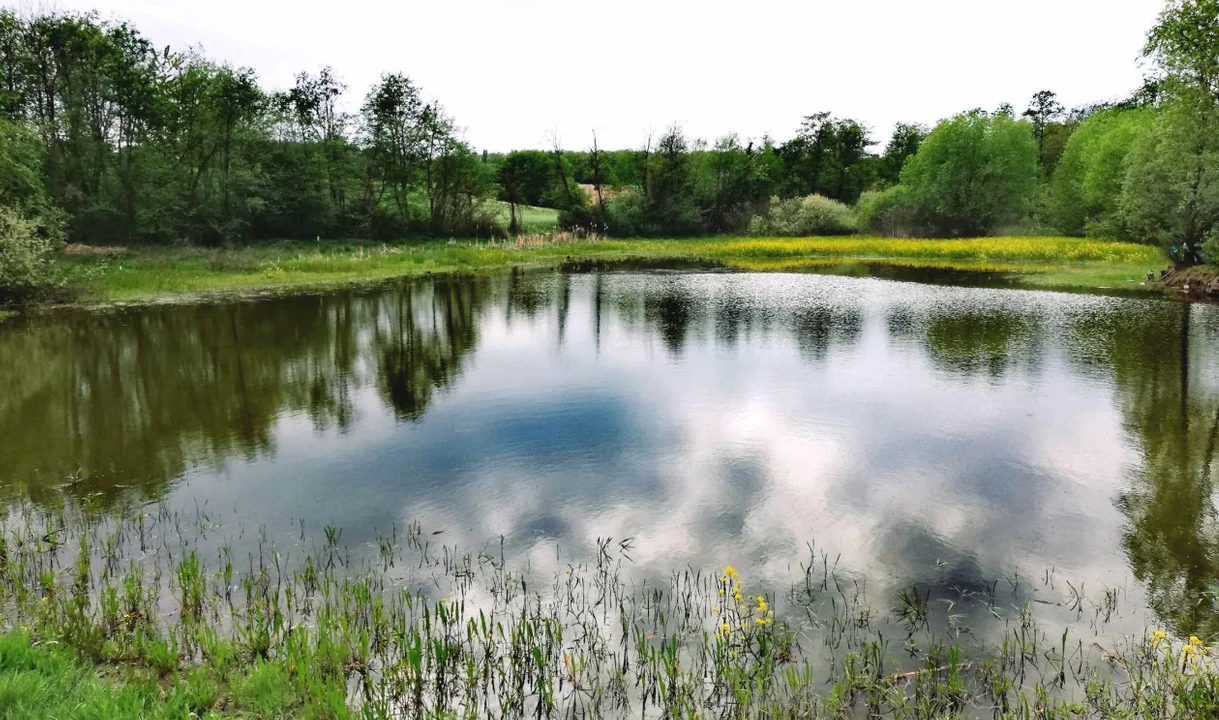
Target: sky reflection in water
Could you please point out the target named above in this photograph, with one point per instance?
(945, 437)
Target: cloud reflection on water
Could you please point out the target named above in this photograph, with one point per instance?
(947, 437)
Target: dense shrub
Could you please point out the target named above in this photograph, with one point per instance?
(27, 258)
(803, 217)
(634, 215)
(891, 213)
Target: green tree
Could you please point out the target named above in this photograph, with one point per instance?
(1184, 43)
(526, 177)
(1043, 112)
(804, 156)
(392, 115)
(733, 183)
(828, 156)
(210, 120)
(1171, 191)
(30, 227)
(973, 173)
(1085, 190)
(850, 149)
(21, 180)
(1180, 156)
(905, 142)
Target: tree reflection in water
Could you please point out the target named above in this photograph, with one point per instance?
(102, 405)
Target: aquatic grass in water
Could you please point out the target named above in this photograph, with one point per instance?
(405, 628)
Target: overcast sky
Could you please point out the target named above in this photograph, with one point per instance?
(509, 70)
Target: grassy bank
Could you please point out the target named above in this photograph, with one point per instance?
(148, 615)
(42, 679)
(152, 273)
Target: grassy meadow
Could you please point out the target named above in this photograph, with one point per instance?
(145, 274)
(533, 219)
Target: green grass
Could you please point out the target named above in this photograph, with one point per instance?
(533, 219)
(152, 273)
(48, 679)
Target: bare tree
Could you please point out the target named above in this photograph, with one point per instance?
(598, 172)
(556, 148)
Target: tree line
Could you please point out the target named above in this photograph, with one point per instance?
(1142, 169)
(120, 142)
(109, 140)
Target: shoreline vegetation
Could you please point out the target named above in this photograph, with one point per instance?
(146, 613)
(111, 139)
(120, 275)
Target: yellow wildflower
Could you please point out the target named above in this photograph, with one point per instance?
(715, 610)
(1188, 649)
(725, 627)
(729, 571)
(1159, 634)
(1194, 640)
(761, 621)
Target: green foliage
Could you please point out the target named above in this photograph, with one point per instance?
(804, 217)
(119, 142)
(732, 181)
(527, 177)
(27, 259)
(30, 226)
(138, 145)
(41, 681)
(1043, 112)
(973, 172)
(393, 116)
(665, 204)
(1086, 187)
(21, 183)
(1184, 43)
(828, 157)
(889, 213)
(1171, 195)
(1171, 192)
(905, 142)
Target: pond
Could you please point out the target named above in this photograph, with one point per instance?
(910, 435)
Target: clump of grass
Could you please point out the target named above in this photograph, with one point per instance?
(406, 628)
(231, 261)
(548, 239)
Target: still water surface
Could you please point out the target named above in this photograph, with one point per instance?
(949, 438)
